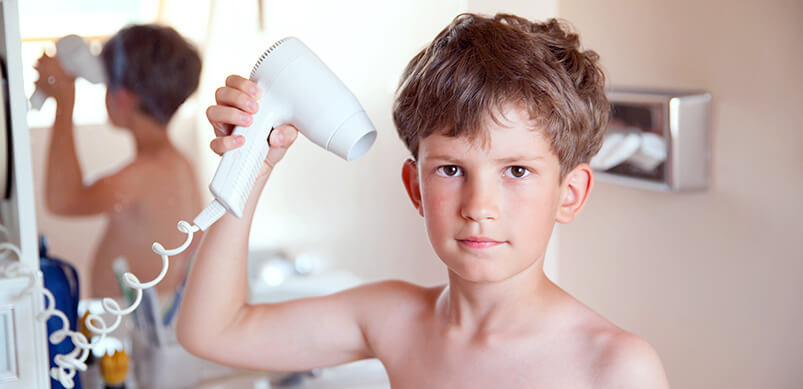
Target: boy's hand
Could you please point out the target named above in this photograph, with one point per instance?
(54, 81)
(236, 103)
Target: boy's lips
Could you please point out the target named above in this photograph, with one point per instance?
(479, 242)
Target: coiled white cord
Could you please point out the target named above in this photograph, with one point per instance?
(75, 360)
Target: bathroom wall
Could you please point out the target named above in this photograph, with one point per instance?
(713, 280)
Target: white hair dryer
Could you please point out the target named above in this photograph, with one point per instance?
(77, 60)
(298, 89)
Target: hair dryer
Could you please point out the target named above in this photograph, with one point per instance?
(298, 89)
(77, 60)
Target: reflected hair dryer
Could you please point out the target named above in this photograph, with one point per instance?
(298, 89)
(77, 60)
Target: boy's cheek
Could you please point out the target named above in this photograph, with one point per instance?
(437, 200)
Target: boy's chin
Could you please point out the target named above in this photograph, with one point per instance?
(480, 273)
(488, 271)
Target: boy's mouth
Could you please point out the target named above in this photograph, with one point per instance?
(479, 242)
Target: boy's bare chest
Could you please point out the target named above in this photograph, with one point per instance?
(528, 363)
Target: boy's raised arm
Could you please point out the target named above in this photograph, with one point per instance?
(66, 193)
(215, 322)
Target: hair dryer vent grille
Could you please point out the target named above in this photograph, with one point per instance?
(265, 55)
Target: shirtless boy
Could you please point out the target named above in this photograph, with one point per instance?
(501, 116)
(151, 71)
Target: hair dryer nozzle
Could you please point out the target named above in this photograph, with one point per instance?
(353, 137)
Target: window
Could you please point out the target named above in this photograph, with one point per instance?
(42, 22)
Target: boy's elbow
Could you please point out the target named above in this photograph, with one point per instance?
(192, 338)
(57, 205)
(186, 338)
(61, 200)
(65, 207)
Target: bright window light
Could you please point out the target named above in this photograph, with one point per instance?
(42, 22)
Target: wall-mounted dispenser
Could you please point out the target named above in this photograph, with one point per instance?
(657, 139)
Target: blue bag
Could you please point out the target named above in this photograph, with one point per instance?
(61, 279)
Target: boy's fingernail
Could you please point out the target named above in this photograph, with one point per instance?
(277, 138)
(252, 106)
(239, 139)
(246, 118)
(254, 91)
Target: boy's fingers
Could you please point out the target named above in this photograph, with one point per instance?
(247, 86)
(223, 144)
(225, 118)
(281, 138)
(232, 97)
(221, 131)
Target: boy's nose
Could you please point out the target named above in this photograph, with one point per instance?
(480, 202)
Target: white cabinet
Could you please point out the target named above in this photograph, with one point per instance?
(23, 359)
(23, 341)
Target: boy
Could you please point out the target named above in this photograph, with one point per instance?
(501, 116)
(151, 71)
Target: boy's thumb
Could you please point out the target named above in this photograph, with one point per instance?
(280, 139)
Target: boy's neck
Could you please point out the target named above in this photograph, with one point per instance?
(149, 136)
(473, 310)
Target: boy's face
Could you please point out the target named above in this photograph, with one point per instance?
(113, 107)
(490, 209)
(120, 103)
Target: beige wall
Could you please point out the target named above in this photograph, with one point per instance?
(540, 9)
(713, 280)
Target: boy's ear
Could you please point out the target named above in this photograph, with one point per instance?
(410, 179)
(125, 99)
(574, 192)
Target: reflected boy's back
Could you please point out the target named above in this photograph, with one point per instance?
(151, 70)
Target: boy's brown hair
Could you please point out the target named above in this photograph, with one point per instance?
(156, 64)
(477, 64)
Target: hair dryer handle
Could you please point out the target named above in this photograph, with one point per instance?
(38, 99)
(238, 169)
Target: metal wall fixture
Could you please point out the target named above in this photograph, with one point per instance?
(657, 140)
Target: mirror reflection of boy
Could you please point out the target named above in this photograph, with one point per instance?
(151, 70)
(501, 116)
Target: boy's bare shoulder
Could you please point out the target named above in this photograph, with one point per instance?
(629, 361)
(399, 296)
(388, 307)
(618, 358)
(167, 170)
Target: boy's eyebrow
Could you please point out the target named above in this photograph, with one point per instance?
(521, 158)
(445, 158)
(525, 158)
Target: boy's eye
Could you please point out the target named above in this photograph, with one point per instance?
(517, 171)
(450, 171)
